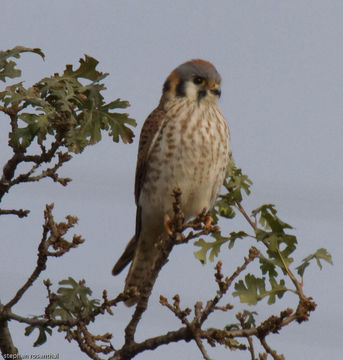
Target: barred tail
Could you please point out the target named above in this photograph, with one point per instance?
(139, 280)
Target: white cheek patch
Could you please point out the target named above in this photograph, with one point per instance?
(191, 91)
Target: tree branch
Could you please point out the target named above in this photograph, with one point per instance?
(6, 342)
(50, 172)
(41, 265)
(224, 285)
(251, 347)
(270, 351)
(201, 348)
(20, 213)
(19, 156)
(52, 236)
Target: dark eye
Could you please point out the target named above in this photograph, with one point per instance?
(198, 80)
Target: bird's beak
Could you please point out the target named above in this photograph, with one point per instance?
(215, 89)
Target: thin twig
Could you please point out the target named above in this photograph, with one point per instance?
(136, 317)
(20, 213)
(251, 347)
(270, 351)
(201, 348)
(244, 213)
(50, 172)
(41, 265)
(224, 285)
(39, 321)
(52, 236)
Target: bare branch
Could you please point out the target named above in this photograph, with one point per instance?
(270, 351)
(19, 156)
(50, 172)
(41, 265)
(201, 348)
(38, 320)
(136, 317)
(251, 347)
(20, 213)
(129, 352)
(52, 236)
(247, 217)
(224, 285)
(88, 342)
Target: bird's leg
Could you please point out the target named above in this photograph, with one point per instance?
(206, 219)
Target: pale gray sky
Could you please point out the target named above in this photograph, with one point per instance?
(281, 64)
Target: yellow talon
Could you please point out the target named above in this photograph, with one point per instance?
(208, 222)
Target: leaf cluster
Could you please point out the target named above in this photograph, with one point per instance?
(236, 184)
(246, 321)
(72, 302)
(68, 106)
(269, 230)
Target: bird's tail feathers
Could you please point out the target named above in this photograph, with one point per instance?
(139, 277)
(126, 257)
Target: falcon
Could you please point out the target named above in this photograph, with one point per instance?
(185, 144)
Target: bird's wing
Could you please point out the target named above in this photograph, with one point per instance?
(151, 129)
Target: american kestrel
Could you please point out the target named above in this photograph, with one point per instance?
(184, 143)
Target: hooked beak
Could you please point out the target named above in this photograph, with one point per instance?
(215, 89)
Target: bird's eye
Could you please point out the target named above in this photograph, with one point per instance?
(198, 80)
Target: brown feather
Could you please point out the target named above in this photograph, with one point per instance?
(126, 257)
(150, 129)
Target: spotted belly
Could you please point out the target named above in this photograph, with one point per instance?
(190, 153)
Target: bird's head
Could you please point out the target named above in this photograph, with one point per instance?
(196, 80)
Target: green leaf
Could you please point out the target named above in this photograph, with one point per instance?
(86, 70)
(41, 339)
(234, 236)
(320, 254)
(269, 220)
(8, 67)
(224, 208)
(277, 289)
(236, 183)
(249, 319)
(116, 104)
(212, 247)
(280, 245)
(253, 289)
(268, 266)
(72, 300)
